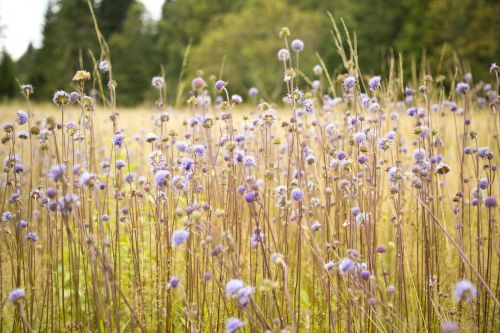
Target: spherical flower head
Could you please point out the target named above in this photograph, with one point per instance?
(32, 236)
(173, 282)
(244, 295)
(359, 138)
(26, 88)
(462, 87)
(187, 164)
(381, 249)
(409, 91)
(250, 196)
(283, 55)
(118, 140)
(329, 265)
(151, 137)
(297, 45)
(249, 161)
(73, 97)
(297, 194)
(104, 66)
(198, 83)
(419, 155)
(179, 183)
(449, 327)
(60, 97)
(349, 83)
(7, 216)
(483, 183)
(317, 70)
(494, 68)
(179, 237)
(120, 164)
(490, 202)
(157, 82)
(233, 324)
(465, 291)
(374, 83)
(161, 178)
(365, 274)
(220, 84)
(346, 265)
(237, 99)
(199, 150)
(16, 295)
(21, 117)
(233, 286)
(57, 172)
(252, 92)
(129, 178)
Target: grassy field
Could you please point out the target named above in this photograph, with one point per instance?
(355, 205)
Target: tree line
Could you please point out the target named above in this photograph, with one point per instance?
(239, 38)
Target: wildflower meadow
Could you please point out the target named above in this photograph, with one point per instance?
(353, 203)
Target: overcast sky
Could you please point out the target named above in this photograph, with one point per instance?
(22, 22)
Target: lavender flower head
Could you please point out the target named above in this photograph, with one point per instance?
(297, 45)
(233, 324)
(57, 172)
(297, 194)
(465, 291)
(349, 83)
(374, 83)
(462, 87)
(157, 82)
(21, 117)
(16, 294)
(60, 97)
(179, 237)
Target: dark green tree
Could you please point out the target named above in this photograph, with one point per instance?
(68, 34)
(111, 14)
(8, 85)
(25, 64)
(250, 41)
(133, 57)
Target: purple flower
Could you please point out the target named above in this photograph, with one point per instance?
(32, 237)
(249, 161)
(157, 82)
(233, 286)
(297, 45)
(57, 172)
(374, 82)
(346, 265)
(60, 97)
(409, 91)
(252, 92)
(233, 324)
(219, 85)
(381, 249)
(173, 282)
(16, 294)
(187, 164)
(179, 237)
(7, 216)
(283, 55)
(465, 291)
(161, 177)
(365, 274)
(198, 83)
(490, 202)
(250, 196)
(21, 117)
(244, 295)
(237, 99)
(359, 138)
(297, 194)
(104, 66)
(483, 183)
(349, 83)
(118, 140)
(462, 87)
(199, 150)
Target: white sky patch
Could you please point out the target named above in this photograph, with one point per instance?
(22, 22)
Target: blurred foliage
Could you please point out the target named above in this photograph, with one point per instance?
(243, 35)
(8, 87)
